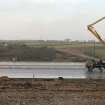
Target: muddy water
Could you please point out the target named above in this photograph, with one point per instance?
(47, 70)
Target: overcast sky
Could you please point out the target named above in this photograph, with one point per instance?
(49, 19)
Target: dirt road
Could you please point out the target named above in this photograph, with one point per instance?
(77, 53)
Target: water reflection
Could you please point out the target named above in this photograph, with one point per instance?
(49, 70)
(95, 75)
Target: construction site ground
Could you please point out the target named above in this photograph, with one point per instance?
(52, 91)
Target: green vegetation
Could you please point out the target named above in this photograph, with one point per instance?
(98, 51)
(49, 51)
(92, 49)
(17, 52)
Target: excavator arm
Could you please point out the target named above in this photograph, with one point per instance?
(91, 65)
(94, 32)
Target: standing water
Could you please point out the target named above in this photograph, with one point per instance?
(47, 70)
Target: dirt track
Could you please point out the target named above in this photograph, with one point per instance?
(77, 53)
(51, 92)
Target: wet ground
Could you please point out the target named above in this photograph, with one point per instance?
(51, 92)
(48, 70)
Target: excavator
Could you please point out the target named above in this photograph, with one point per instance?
(92, 64)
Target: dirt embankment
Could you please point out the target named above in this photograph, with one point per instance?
(51, 92)
(72, 54)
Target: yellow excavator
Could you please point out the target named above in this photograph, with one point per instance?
(94, 64)
(94, 32)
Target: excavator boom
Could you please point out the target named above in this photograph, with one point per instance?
(94, 64)
(94, 32)
(97, 21)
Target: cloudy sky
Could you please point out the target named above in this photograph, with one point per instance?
(49, 19)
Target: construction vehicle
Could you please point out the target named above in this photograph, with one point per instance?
(92, 64)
